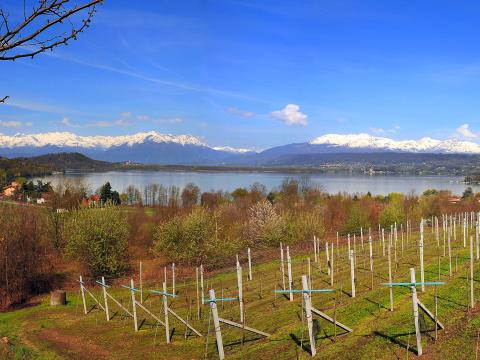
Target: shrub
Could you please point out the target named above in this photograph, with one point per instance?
(193, 239)
(97, 238)
(24, 260)
(264, 226)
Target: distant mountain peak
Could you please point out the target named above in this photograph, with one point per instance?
(68, 139)
(422, 145)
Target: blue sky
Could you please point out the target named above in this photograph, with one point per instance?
(256, 73)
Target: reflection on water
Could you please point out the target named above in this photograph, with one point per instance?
(232, 180)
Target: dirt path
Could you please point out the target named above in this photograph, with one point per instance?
(72, 347)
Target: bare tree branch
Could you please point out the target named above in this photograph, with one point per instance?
(33, 35)
(43, 28)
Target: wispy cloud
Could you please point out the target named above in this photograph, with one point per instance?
(14, 124)
(176, 120)
(290, 115)
(465, 132)
(152, 79)
(382, 131)
(239, 112)
(34, 106)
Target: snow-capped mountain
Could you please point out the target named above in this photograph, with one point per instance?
(144, 147)
(155, 148)
(68, 139)
(424, 145)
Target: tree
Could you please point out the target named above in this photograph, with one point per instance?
(45, 25)
(106, 194)
(190, 194)
(468, 193)
(98, 239)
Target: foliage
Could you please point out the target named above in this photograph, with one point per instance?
(357, 218)
(264, 226)
(98, 239)
(107, 195)
(192, 239)
(23, 259)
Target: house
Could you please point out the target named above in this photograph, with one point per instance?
(454, 199)
(10, 190)
(41, 201)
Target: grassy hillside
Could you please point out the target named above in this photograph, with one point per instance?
(45, 332)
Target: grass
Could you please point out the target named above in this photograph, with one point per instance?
(46, 332)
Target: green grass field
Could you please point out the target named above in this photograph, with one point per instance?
(44, 332)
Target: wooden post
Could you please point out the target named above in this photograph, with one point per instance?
(307, 300)
(449, 256)
(173, 279)
(141, 283)
(107, 313)
(477, 244)
(401, 237)
(249, 265)
(282, 266)
(198, 294)
(472, 298)
(390, 272)
(201, 285)
(309, 272)
(216, 325)
(349, 249)
(315, 248)
(383, 242)
(422, 273)
(165, 312)
(354, 250)
(134, 305)
(289, 269)
(328, 258)
(82, 290)
(338, 247)
(352, 273)
(415, 312)
(465, 231)
(332, 268)
(371, 253)
(240, 291)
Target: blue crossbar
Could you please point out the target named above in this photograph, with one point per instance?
(130, 288)
(222, 299)
(415, 284)
(102, 284)
(304, 291)
(161, 293)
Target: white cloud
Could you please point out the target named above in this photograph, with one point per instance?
(290, 115)
(381, 131)
(12, 123)
(176, 120)
(239, 112)
(66, 121)
(464, 130)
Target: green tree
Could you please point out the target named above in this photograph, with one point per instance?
(97, 238)
(192, 239)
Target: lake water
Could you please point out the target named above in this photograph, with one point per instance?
(228, 181)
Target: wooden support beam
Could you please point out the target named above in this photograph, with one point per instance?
(329, 319)
(243, 327)
(429, 314)
(179, 318)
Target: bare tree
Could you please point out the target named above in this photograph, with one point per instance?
(45, 24)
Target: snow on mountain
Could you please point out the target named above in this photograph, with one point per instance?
(232, 149)
(423, 145)
(67, 139)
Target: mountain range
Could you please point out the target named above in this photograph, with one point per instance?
(164, 149)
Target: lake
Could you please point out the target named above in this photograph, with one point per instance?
(228, 181)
